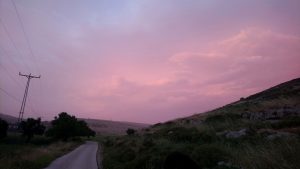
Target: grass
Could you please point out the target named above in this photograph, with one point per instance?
(149, 149)
(39, 153)
(200, 137)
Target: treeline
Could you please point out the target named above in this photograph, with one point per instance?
(63, 127)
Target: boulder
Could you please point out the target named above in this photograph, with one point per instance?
(236, 134)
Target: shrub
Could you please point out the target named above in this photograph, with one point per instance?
(148, 142)
(287, 123)
(222, 117)
(3, 128)
(208, 155)
(130, 131)
(65, 126)
(32, 127)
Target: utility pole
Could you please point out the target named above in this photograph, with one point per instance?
(25, 95)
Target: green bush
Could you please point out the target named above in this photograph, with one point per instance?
(65, 126)
(222, 118)
(208, 155)
(287, 123)
(32, 127)
(130, 131)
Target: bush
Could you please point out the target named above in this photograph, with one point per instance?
(130, 131)
(32, 127)
(222, 117)
(65, 126)
(287, 123)
(207, 156)
(3, 128)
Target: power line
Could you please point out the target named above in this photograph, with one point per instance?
(6, 54)
(11, 96)
(25, 34)
(15, 98)
(12, 78)
(27, 40)
(14, 44)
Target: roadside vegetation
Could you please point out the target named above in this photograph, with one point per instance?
(16, 153)
(30, 148)
(207, 145)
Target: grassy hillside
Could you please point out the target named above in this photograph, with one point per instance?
(261, 131)
(106, 127)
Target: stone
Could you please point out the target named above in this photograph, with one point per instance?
(236, 134)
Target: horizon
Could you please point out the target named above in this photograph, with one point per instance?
(143, 61)
(48, 120)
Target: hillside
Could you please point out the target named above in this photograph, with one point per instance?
(261, 131)
(275, 102)
(113, 127)
(105, 127)
(8, 118)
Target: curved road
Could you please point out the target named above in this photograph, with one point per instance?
(83, 157)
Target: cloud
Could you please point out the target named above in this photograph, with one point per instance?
(243, 56)
(247, 62)
(148, 61)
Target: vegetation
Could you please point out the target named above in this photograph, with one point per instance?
(15, 153)
(220, 139)
(130, 131)
(65, 126)
(32, 127)
(3, 128)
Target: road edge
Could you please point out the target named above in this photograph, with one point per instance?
(99, 157)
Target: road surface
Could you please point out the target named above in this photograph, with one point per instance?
(83, 157)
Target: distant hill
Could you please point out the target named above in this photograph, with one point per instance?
(113, 127)
(100, 126)
(8, 118)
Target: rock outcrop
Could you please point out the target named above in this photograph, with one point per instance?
(272, 114)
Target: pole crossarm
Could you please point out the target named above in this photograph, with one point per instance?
(29, 76)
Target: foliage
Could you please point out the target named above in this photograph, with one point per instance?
(203, 137)
(3, 128)
(130, 131)
(65, 126)
(32, 127)
(39, 153)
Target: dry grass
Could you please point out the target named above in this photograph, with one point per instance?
(32, 156)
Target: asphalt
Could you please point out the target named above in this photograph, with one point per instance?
(83, 157)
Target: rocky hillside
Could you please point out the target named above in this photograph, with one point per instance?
(261, 131)
(277, 102)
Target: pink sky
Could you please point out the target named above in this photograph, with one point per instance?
(144, 61)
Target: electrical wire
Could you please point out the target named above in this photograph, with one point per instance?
(25, 34)
(21, 56)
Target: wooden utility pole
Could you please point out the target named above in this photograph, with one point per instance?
(25, 95)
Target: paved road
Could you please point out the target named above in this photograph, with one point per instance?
(83, 157)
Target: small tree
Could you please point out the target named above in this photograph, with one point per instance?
(32, 127)
(130, 131)
(3, 128)
(65, 126)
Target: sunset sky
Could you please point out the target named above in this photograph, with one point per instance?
(143, 61)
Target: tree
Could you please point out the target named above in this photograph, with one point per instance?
(65, 126)
(3, 128)
(130, 131)
(32, 127)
